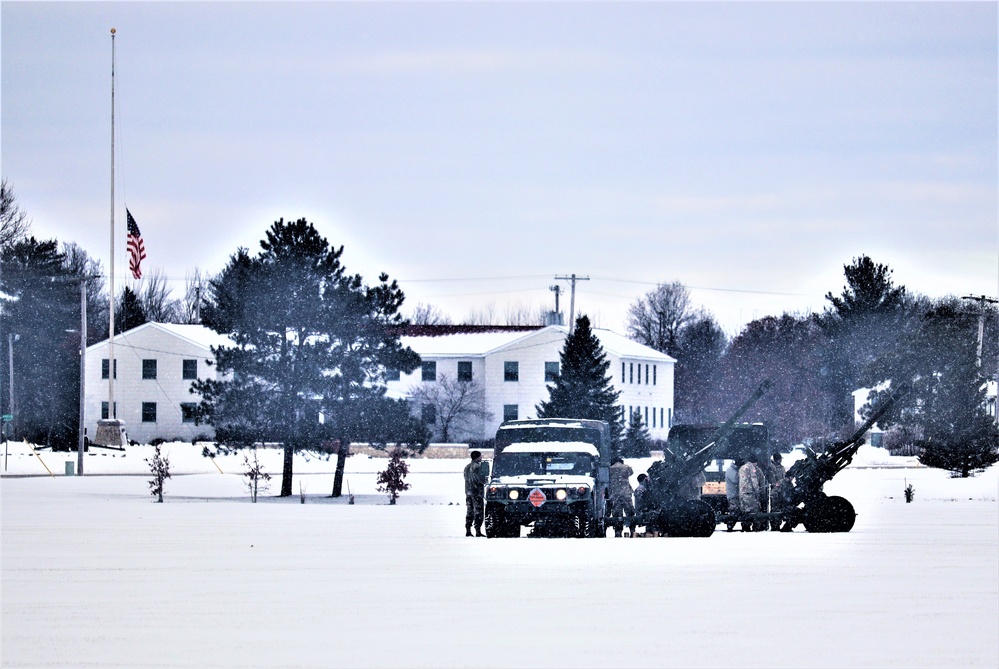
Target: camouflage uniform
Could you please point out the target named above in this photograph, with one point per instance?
(732, 493)
(620, 497)
(750, 482)
(475, 490)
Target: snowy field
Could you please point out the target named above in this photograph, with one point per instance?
(95, 574)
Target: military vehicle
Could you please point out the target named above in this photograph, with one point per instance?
(551, 475)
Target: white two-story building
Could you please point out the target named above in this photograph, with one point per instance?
(155, 365)
(516, 365)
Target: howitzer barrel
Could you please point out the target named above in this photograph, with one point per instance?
(876, 414)
(703, 455)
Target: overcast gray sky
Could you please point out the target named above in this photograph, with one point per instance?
(475, 151)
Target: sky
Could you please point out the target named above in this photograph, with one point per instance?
(476, 151)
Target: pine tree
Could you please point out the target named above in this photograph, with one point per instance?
(42, 325)
(583, 388)
(946, 406)
(310, 340)
(636, 438)
(860, 326)
(129, 312)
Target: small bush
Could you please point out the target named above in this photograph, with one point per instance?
(159, 465)
(392, 480)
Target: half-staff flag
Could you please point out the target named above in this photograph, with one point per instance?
(136, 248)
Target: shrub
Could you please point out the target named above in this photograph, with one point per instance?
(159, 465)
(392, 480)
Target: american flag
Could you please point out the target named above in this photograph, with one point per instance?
(136, 249)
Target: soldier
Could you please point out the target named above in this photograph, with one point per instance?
(732, 491)
(749, 493)
(475, 490)
(620, 496)
(640, 491)
(776, 492)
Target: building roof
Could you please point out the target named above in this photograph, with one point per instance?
(195, 334)
(473, 341)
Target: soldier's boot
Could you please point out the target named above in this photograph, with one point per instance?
(478, 531)
(468, 530)
(617, 532)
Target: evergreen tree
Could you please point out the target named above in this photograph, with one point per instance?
(42, 323)
(860, 325)
(128, 312)
(636, 439)
(310, 341)
(946, 406)
(583, 388)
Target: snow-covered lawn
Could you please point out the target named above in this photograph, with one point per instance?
(96, 574)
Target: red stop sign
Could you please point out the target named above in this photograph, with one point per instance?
(537, 497)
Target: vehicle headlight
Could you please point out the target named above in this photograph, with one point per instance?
(561, 494)
(514, 494)
(582, 490)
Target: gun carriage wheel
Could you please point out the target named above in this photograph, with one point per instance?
(691, 518)
(829, 514)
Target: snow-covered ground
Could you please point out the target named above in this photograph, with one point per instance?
(96, 574)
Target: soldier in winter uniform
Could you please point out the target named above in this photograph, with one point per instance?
(750, 483)
(732, 491)
(640, 491)
(475, 490)
(620, 496)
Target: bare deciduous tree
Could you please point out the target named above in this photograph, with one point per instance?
(14, 223)
(195, 291)
(456, 404)
(428, 314)
(657, 318)
(156, 301)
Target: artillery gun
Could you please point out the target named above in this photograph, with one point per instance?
(672, 503)
(801, 496)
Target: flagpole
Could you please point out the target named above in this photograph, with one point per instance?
(112, 414)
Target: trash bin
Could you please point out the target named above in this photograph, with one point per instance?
(70, 468)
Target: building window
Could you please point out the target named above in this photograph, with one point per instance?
(509, 412)
(653, 416)
(511, 371)
(149, 369)
(429, 371)
(551, 372)
(654, 374)
(190, 370)
(464, 370)
(428, 413)
(149, 412)
(104, 368)
(646, 415)
(622, 372)
(631, 372)
(646, 375)
(187, 411)
(104, 410)
(392, 375)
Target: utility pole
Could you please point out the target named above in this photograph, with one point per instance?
(982, 300)
(572, 279)
(557, 289)
(83, 377)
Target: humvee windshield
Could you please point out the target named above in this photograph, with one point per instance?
(534, 434)
(543, 464)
